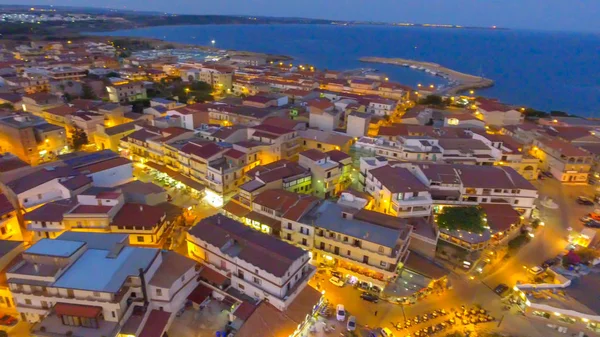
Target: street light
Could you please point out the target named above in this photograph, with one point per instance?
(213, 42)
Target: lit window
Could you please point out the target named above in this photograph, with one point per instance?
(452, 121)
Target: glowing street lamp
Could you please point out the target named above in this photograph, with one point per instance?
(213, 42)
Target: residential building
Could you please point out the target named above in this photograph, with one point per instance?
(110, 137)
(9, 253)
(382, 106)
(192, 116)
(126, 91)
(358, 124)
(259, 265)
(323, 114)
(31, 138)
(93, 284)
(495, 113)
(39, 102)
(357, 242)
(565, 161)
(9, 224)
(325, 141)
(329, 177)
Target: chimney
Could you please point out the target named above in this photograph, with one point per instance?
(144, 291)
(36, 267)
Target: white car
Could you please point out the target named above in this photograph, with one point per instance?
(351, 325)
(536, 270)
(336, 281)
(340, 313)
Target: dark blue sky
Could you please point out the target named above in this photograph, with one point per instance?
(571, 15)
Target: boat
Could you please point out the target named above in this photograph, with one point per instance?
(413, 67)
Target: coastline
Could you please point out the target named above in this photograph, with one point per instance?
(463, 81)
(158, 44)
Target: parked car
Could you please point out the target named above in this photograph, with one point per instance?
(375, 289)
(336, 281)
(501, 289)
(585, 201)
(369, 297)
(386, 332)
(551, 262)
(585, 218)
(536, 270)
(340, 313)
(336, 274)
(364, 285)
(547, 174)
(351, 325)
(8, 320)
(592, 224)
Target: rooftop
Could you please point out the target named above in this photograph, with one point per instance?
(56, 247)
(238, 240)
(172, 267)
(398, 179)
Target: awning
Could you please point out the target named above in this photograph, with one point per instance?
(236, 209)
(189, 182)
(265, 220)
(87, 311)
(199, 294)
(212, 276)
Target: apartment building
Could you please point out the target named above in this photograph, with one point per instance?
(126, 91)
(281, 174)
(226, 114)
(259, 265)
(192, 116)
(31, 138)
(495, 113)
(323, 115)
(448, 184)
(330, 171)
(283, 143)
(9, 253)
(382, 106)
(353, 240)
(92, 284)
(47, 184)
(396, 191)
(9, 224)
(66, 73)
(325, 141)
(219, 77)
(565, 161)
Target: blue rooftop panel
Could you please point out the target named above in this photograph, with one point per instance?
(94, 271)
(60, 248)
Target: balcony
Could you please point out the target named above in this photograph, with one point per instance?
(350, 244)
(389, 271)
(413, 201)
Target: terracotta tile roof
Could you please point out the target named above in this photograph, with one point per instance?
(156, 324)
(398, 179)
(171, 269)
(37, 178)
(289, 204)
(337, 155)
(77, 182)
(320, 103)
(10, 164)
(204, 151)
(564, 148)
(313, 154)
(104, 165)
(62, 110)
(201, 292)
(500, 217)
(492, 105)
(5, 205)
(234, 153)
(51, 212)
(282, 122)
(272, 129)
(425, 267)
(236, 209)
(139, 216)
(258, 249)
(245, 310)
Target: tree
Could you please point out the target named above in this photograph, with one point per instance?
(79, 138)
(87, 92)
(518, 242)
(139, 105)
(7, 106)
(432, 100)
(113, 74)
(587, 255)
(464, 218)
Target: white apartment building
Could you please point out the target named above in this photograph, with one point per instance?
(92, 284)
(366, 244)
(259, 265)
(451, 184)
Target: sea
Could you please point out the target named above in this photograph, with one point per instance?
(547, 71)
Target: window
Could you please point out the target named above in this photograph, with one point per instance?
(158, 292)
(27, 301)
(319, 145)
(114, 314)
(25, 200)
(516, 202)
(182, 278)
(289, 237)
(140, 239)
(349, 252)
(256, 280)
(383, 264)
(381, 249)
(241, 286)
(96, 294)
(39, 196)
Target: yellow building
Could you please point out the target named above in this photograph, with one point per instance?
(145, 224)
(110, 137)
(10, 251)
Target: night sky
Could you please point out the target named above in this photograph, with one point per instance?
(574, 15)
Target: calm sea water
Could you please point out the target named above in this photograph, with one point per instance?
(543, 70)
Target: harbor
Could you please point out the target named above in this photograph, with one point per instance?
(458, 81)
